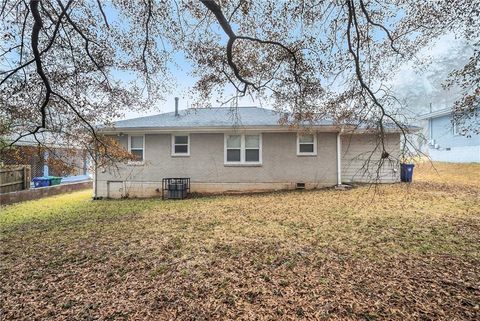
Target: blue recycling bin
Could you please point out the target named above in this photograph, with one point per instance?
(406, 172)
(41, 182)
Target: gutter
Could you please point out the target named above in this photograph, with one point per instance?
(435, 114)
(213, 129)
(224, 129)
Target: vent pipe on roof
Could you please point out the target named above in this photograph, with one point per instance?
(176, 106)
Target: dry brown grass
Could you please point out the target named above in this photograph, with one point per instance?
(447, 173)
(396, 252)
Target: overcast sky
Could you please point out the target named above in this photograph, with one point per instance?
(421, 86)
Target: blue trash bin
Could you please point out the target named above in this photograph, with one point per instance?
(41, 182)
(406, 172)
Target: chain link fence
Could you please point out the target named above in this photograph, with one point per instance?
(60, 161)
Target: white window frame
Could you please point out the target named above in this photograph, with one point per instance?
(134, 162)
(173, 145)
(455, 128)
(242, 161)
(314, 153)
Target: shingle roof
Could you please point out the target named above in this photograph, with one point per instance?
(219, 117)
(208, 117)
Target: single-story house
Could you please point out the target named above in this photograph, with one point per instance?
(446, 142)
(242, 149)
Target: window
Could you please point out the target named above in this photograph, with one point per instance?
(243, 149)
(252, 148)
(180, 145)
(306, 144)
(234, 148)
(136, 147)
(455, 126)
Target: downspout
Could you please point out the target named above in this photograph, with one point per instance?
(339, 157)
(95, 197)
(430, 129)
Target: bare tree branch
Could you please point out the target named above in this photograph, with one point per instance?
(100, 7)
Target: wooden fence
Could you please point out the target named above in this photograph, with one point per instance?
(14, 178)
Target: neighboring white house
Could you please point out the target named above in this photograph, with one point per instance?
(445, 140)
(242, 149)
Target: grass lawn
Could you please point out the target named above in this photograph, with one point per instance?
(397, 252)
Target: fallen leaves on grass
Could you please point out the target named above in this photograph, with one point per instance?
(400, 253)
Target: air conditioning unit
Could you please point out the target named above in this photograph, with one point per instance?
(437, 146)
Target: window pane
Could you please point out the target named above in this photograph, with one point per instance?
(252, 155)
(136, 142)
(306, 139)
(181, 139)
(181, 149)
(138, 154)
(233, 155)
(456, 127)
(252, 141)
(233, 141)
(306, 148)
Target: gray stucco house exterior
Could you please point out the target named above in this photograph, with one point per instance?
(445, 140)
(241, 149)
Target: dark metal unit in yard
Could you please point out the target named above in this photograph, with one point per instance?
(175, 188)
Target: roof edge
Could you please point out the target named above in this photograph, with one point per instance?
(263, 128)
(215, 128)
(435, 114)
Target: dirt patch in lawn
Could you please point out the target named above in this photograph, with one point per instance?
(399, 252)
